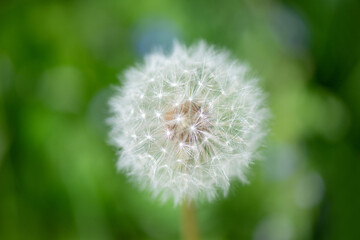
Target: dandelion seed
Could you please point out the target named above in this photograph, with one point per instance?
(209, 125)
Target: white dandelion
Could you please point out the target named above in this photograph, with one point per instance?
(187, 123)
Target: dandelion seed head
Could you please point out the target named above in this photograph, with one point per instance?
(187, 123)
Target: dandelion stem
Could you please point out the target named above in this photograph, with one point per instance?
(189, 226)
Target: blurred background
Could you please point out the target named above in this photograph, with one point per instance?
(59, 61)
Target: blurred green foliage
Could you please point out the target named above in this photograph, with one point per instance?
(59, 59)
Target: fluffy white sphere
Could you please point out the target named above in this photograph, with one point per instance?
(188, 122)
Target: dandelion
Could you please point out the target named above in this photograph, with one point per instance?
(187, 123)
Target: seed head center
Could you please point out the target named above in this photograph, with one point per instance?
(188, 122)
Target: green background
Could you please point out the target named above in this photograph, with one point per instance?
(59, 61)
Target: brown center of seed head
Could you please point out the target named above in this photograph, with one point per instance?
(187, 123)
